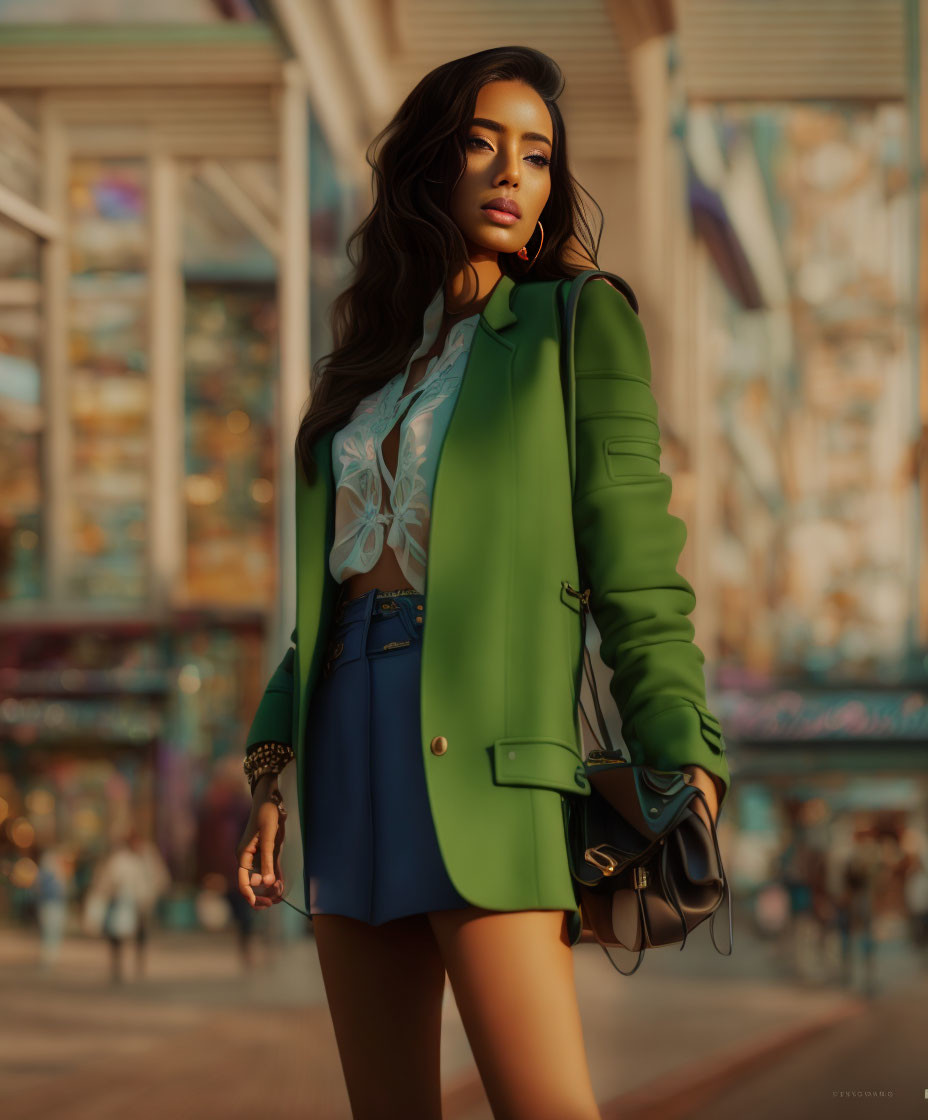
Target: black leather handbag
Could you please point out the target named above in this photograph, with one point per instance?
(646, 867)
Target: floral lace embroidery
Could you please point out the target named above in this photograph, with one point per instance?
(361, 528)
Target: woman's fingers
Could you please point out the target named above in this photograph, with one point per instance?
(250, 884)
(253, 883)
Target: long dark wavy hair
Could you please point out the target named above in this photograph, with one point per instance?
(408, 242)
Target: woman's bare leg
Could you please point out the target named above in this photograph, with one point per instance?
(513, 981)
(384, 986)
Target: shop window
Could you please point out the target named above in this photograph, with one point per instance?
(109, 398)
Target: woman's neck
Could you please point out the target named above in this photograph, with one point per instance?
(462, 289)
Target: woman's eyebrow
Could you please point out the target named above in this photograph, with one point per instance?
(495, 126)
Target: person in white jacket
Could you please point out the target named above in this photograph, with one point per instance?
(122, 898)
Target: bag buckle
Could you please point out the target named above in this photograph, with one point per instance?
(601, 860)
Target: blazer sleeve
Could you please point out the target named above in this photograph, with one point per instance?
(273, 721)
(629, 545)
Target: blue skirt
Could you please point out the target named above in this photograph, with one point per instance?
(370, 849)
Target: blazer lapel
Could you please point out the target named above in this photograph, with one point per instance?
(487, 367)
(498, 313)
(474, 421)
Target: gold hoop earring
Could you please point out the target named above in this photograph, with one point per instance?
(523, 252)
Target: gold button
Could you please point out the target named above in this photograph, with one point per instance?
(418, 618)
(439, 744)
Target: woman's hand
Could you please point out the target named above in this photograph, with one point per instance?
(264, 832)
(710, 786)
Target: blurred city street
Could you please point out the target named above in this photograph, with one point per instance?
(186, 199)
(690, 1034)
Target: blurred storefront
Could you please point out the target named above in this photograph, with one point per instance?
(800, 168)
(161, 185)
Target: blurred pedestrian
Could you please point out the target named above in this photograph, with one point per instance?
(836, 858)
(121, 899)
(915, 844)
(155, 881)
(52, 888)
(860, 878)
(799, 868)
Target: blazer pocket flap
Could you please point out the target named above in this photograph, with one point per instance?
(544, 763)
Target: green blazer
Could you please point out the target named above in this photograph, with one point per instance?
(501, 646)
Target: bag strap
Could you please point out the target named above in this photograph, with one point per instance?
(568, 372)
(568, 384)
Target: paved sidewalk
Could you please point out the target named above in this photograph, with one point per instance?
(196, 1036)
(872, 1064)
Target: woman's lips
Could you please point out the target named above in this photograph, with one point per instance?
(503, 217)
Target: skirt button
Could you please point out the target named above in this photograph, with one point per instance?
(439, 744)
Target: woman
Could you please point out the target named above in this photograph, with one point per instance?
(424, 724)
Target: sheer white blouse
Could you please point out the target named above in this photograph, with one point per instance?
(361, 527)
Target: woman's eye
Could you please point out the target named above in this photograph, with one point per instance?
(538, 159)
(480, 140)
